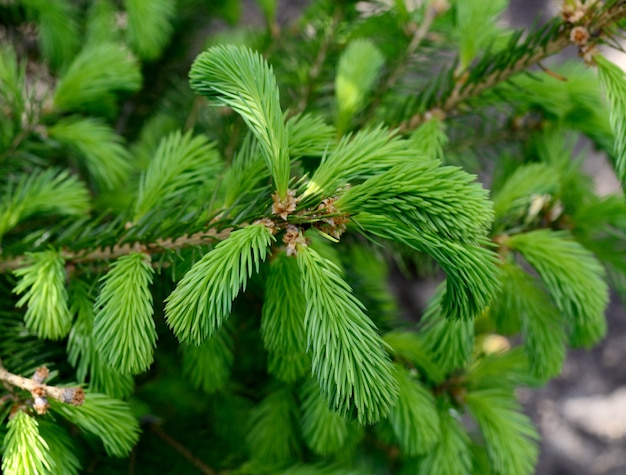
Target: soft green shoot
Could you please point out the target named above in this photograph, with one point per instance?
(208, 366)
(123, 329)
(573, 277)
(473, 275)
(509, 435)
(241, 79)
(513, 200)
(450, 343)
(109, 419)
(358, 69)
(86, 85)
(149, 26)
(12, 97)
(100, 24)
(41, 192)
(202, 300)
(272, 436)
(451, 454)
(62, 449)
(59, 34)
(409, 347)
(349, 359)
(542, 326)
(246, 173)
(282, 318)
(502, 369)
(81, 348)
(324, 431)
(434, 200)
(24, 451)
(309, 136)
(477, 26)
(430, 138)
(414, 418)
(614, 83)
(42, 282)
(356, 158)
(180, 164)
(97, 144)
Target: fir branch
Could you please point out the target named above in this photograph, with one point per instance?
(86, 85)
(41, 192)
(282, 320)
(69, 395)
(509, 435)
(98, 145)
(81, 347)
(180, 164)
(450, 343)
(59, 33)
(272, 436)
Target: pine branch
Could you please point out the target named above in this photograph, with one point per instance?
(40, 391)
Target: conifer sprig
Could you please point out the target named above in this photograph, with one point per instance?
(349, 359)
(123, 330)
(613, 80)
(240, 78)
(572, 276)
(42, 282)
(203, 298)
(25, 451)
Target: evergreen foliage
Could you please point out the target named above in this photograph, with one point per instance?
(195, 272)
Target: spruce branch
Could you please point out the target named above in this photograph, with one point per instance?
(104, 254)
(495, 69)
(40, 391)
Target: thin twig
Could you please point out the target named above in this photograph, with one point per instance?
(201, 238)
(40, 391)
(181, 449)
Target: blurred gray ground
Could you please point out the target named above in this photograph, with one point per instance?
(581, 415)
